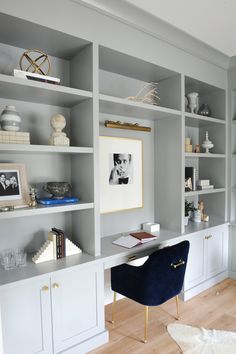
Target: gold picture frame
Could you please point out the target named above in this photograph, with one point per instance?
(121, 187)
(13, 185)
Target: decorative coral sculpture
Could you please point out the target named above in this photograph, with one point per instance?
(147, 94)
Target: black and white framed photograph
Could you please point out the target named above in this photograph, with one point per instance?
(121, 176)
(13, 185)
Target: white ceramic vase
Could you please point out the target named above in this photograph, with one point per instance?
(10, 119)
(193, 101)
(207, 144)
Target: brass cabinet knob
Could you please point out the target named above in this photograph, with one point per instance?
(207, 237)
(55, 285)
(45, 288)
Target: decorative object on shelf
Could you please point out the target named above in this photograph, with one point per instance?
(203, 184)
(13, 258)
(151, 227)
(147, 94)
(35, 61)
(207, 144)
(204, 110)
(57, 189)
(50, 201)
(32, 193)
(13, 185)
(10, 119)
(58, 138)
(188, 145)
(190, 179)
(197, 149)
(6, 208)
(52, 248)
(196, 215)
(7, 137)
(121, 181)
(193, 101)
(124, 125)
(36, 77)
(188, 208)
(201, 207)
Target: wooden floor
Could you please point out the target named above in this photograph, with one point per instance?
(214, 308)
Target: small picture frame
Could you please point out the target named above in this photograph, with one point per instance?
(121, 174)
(13, 185)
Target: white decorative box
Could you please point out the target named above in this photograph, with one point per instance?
(150, 227)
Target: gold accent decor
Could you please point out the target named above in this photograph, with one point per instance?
(146, 324)
(131, 258)
(55, 286)
(177, 306)
(207, 237)
(176, 265)
(128, 126)
(35, 64)
(45, 288)
(113, 308)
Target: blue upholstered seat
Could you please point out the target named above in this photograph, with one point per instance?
(159, 279)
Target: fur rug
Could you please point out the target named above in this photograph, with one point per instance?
(193, 340)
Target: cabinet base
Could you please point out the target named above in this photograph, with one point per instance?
(188, 294)
(90, 344)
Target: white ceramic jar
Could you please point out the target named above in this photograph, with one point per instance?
(10, 119)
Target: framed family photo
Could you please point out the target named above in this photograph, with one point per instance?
(13, 185)
(121, 174)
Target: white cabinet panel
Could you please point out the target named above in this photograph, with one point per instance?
(77, 302)
(215, 252)
(25, 319)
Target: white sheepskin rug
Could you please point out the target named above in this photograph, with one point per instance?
(193, 340)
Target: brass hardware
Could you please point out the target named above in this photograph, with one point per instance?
(176, 265)
(131, 258)
(207, 237)
(113, 308)
(55, 286)
(177, 306)
(28, 63)
(45, 288)
(145, 324)
(129, 126)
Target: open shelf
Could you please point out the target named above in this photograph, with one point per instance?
(196, 120)
(195, 226)
(207, 191)
(43, 210)
(127, 108)
(41, 92)
(204, 155)
(26, 148)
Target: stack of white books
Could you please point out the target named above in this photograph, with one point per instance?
(36, 77)
(203, 184)
(7, 137)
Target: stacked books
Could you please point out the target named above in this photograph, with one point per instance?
(51, 201)
(7, 137)
(134, 239)
(36, 77)
(203, 184)
(57, 236)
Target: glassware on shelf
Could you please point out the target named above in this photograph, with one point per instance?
(204, 110)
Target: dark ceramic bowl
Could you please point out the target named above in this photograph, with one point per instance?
(57, 189)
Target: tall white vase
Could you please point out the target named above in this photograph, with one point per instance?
(193, 101)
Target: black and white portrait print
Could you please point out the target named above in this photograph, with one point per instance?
(121, 169)
(9, 184)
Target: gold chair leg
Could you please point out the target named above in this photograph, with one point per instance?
(146, 324)
(113, 308)
(177, 306)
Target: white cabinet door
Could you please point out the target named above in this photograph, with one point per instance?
(195, 271)
(25, 317)
(77, 305)
(216, 242)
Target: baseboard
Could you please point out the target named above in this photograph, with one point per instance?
(90, 344)
(232, 274)
(188, 294)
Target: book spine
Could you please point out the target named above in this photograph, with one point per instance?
(60, 242)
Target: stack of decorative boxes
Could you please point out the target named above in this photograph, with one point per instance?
(8, 137)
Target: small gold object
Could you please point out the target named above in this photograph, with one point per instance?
(35, 61)
(176, 265)
(55, 286)
(32, 194)
(7, 208)
(45, 288)
(208, 237)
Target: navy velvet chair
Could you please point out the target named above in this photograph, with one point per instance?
(159, 279)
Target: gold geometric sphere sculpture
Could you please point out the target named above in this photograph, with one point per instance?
(35, 61)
